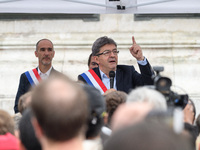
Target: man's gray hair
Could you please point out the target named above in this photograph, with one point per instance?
(144, 94)
(101, 42)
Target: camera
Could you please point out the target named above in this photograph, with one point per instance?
(163, 85)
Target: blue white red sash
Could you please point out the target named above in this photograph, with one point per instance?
(33, 76)
(93, 79)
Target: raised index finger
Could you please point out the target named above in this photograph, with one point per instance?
(133, 39)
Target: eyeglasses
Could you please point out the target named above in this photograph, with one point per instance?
(108, 52)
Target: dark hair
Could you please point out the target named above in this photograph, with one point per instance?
(101, 42)
(27, 133)
(60, 107)
(96, 108)
(89, 59)
(94, 129)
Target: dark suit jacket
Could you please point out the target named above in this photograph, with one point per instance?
(25, 86)
(128, 78)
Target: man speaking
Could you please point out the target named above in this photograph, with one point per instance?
(109, 74)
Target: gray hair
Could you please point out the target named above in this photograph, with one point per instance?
(43, 40)
(144, 94)
(101, 42)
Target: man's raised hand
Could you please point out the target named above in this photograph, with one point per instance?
(136, 50)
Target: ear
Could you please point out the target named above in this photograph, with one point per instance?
(36, 54)
(96, 58)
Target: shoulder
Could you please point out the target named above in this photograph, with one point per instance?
(96, 69)
(55, 72)
(23, 75)
(125, 67)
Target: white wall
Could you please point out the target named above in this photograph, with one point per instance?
(173, 43)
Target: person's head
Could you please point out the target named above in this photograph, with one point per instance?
(147, 135)
(60, 110)
(45, 52)
(6, 123)
(96, 109)
(129, 114)
(24, 101)
(113, 100)
(151, 96)
(91, 62)
(16, 118)
(27, 134)
(105, 52)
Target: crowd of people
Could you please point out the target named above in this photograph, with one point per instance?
(109, 107)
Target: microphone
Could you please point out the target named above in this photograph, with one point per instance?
(112, 76)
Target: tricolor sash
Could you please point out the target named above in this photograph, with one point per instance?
(33, 76)
(93, 79)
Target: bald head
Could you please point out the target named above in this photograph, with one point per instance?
(60, 107)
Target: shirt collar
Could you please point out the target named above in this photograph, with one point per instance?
(47, 73)
(103, 75)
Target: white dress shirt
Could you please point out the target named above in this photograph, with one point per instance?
(45, 75)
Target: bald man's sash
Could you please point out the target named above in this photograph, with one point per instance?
(93, 79)
(33, 77)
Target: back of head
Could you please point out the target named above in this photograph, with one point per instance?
(147, 135)
(113, 100)
(27, 133)
(101, 42)
(89, 59)
(24, 101)
(151, 96)
(60, 107)
(96, 109)
(6, 123)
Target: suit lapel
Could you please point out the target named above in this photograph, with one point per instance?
(119, 80)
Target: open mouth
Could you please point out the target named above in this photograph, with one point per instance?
(112, 61)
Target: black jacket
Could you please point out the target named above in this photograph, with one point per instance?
(24, 86)
(128, 78)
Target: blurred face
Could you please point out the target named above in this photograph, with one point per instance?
(45, 52)
(108, 58)
(93, 63)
